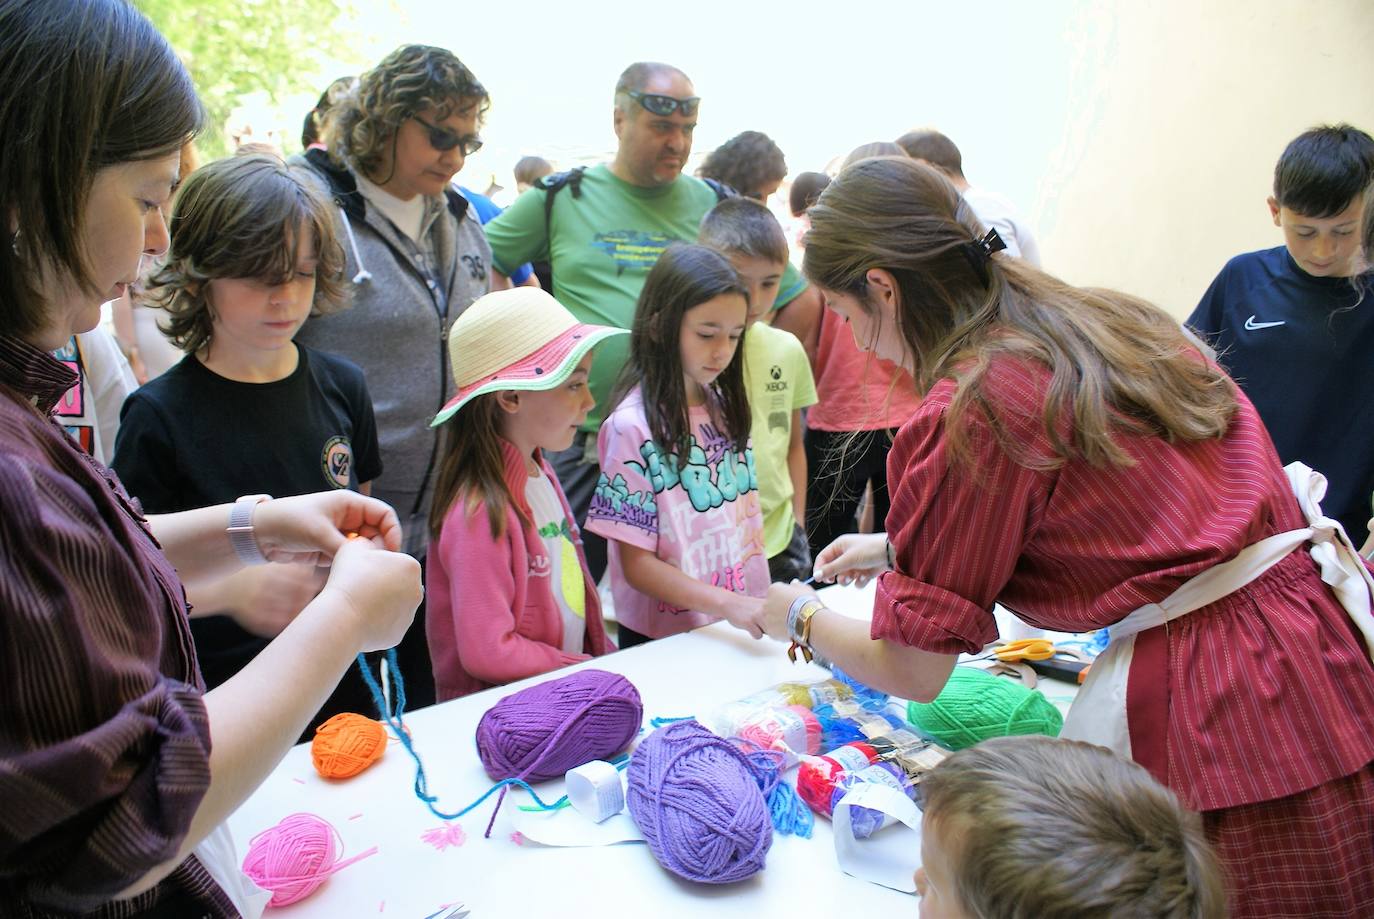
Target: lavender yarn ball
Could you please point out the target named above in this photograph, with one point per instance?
(694, 798)
(541, 732)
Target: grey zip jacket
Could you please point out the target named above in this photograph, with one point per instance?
(404, 298)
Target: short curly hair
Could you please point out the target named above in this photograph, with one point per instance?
(409, 80)
(241, 217)
(745, 162)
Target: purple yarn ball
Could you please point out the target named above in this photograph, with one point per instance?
(694, 798)
(541, 732)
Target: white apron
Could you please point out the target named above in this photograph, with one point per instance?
(1098, 715)
(219, 857)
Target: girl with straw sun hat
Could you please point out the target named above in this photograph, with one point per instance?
(507, 583)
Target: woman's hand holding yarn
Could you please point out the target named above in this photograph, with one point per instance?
(379, 588)
(311, 528)
(855, 558)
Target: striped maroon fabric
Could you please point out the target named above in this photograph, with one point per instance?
(104, 740)
(1331, 827)
(1264, 694)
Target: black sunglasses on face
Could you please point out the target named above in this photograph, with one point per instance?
(443, 139)
(665, 105)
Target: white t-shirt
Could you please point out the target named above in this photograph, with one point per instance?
(565, 570)
(408, 216)
(997, 212)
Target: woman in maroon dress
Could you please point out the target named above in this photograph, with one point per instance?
(1076, 459)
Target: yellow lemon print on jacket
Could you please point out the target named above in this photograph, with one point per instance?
(574, 587)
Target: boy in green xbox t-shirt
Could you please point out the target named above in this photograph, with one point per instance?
(777, 376)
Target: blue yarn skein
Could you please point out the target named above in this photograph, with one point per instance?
(788, 813)
(839, 727)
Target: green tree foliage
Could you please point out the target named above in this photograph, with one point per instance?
(237, 48)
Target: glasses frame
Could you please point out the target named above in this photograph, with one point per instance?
(443, 140)
(667, 105)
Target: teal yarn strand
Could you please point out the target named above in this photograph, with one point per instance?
(975, 705)
(395, 721)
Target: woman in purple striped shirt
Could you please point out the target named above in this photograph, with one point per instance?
(112, 795)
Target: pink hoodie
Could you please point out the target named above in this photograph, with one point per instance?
(487, 621)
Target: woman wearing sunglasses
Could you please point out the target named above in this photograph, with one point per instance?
(416, 258)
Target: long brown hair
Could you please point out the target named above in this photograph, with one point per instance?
(684, 276)
(473, 469)
(1117, 363)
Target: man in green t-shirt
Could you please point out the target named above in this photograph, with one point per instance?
(603, 235)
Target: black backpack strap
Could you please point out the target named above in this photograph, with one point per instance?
(553, 184)
(722, 190)
(457, 204)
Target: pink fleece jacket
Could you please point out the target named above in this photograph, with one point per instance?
(487, 620)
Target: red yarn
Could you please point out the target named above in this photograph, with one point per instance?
(817, 776)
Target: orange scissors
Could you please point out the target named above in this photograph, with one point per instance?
(1025, 649)
(1043, 657)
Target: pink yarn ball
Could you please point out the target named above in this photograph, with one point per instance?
(794, 728)
(293, 858)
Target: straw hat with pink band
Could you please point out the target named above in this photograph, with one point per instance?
(515, 339)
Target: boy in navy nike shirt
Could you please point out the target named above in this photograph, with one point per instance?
(1294, 325)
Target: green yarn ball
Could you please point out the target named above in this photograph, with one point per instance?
(975, 705)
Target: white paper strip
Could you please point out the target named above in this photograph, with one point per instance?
(890, 856)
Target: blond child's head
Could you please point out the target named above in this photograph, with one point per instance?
(747, 233)
(1037, 828)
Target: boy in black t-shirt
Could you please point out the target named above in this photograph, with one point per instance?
(247, 410)
(1294, 325)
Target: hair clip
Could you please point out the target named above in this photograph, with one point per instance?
(980, 250)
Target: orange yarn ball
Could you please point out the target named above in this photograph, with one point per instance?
(347, 744)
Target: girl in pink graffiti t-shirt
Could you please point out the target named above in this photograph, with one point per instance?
(678, 495)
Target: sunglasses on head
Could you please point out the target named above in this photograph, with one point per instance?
(665, 105)
(443, 139)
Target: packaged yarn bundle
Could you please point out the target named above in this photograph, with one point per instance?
(696, 800)
(900, 773)
(843, 722)
(541, 732)
(819, 776)
(293, 858)
(347, 744)
(975, 705)
(803, 718)
(790, 730)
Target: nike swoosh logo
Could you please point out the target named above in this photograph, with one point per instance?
(1254, 326)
